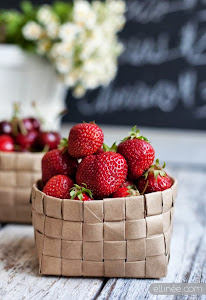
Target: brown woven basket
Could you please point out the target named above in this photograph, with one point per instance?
(122, 237)
(18, 172)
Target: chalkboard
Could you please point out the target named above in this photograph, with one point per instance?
(161, 80)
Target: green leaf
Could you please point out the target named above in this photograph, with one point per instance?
(27, 7)
(162, 173)
(146, 174)
(105, 147)
(156, 173)
(63, 145)
(73, 194)
(157, 162)
(80, 196)
(63, 11)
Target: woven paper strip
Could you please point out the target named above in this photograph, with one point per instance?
(18, 172)
(123, 237)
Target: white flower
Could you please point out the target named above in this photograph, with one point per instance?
(63, 65)
(69, 31)
(73, 77)
(83, 14)
(43, 46)
(52, 29)
(84, 49)
(79, 91)
(117, 6)
(32, 31)
(45, 15)
(64, 49)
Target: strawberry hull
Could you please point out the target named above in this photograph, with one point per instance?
(114, 237)
(18, 171)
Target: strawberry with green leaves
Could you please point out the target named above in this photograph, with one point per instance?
(103, 173)
(154, 179)
(126, 191)
(85, 139)
(81, 193)
(138, 153)
(59, 186)
(58, 162)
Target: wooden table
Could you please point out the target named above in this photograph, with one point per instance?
(19, 277)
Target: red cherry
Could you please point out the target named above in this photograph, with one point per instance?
(26, 141)
(36, 124)
(5, 127)
(31, 124)
(50, 139)
(6, 143)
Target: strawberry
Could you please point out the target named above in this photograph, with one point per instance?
(138, 153)
(126, 191)
(128, 183)
(103, 174)
(81, 193)
(6, 143)
(99, 151)
(58, 162)
(155, 179)
(59, 187)
(84, 139)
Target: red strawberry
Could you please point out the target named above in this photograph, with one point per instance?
(99, 151)
(125, 191)
(81, 193)
(6, 143)
(128, 183)
(103, 174)
(59, 186)
(56, 162)
(153, 180)
(84, 139)
(138, 153)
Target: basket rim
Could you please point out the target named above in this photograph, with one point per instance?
(15, 153)
(35, 186)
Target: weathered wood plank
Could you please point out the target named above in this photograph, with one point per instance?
(19, 278)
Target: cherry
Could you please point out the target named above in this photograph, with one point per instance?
(6, 143)
(5, 127)
(26, 141)
(31, 124)
(50, 139)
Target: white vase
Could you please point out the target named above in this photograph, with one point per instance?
(25, 78)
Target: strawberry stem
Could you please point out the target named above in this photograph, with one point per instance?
(77, 191)
(113, 148)
(135, 133)
(63, 145)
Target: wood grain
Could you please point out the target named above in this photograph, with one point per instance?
(19, 277)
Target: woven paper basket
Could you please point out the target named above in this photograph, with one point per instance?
(18, 172)
(122, 237)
